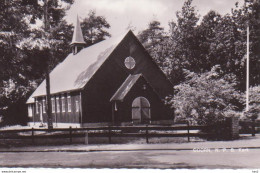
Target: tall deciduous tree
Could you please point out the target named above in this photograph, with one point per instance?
(207, 31)
(183, 44)
(217, 40)
(13, 27)
(186, 37)
(157, 43)
(94, 28)
(24, 44)
(13, 84)
(26, 48)
(248, 15)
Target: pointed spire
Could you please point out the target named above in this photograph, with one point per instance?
(77, 40)
(77, 34)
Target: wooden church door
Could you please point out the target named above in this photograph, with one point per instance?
(141, 112)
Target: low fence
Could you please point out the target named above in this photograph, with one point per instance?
(223, 131)
(108, 132)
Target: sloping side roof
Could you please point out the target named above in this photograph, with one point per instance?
(76, 70)
(125, 87)
(30, 100)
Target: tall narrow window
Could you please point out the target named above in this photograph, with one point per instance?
(69, 103)
(58, 104)
(63, 104)
(77, 106)
(30, 113)
(52, 105)
(44, 105)
(37, 107)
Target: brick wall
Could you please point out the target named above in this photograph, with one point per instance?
(234, 127)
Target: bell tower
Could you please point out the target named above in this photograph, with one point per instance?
(77, 42)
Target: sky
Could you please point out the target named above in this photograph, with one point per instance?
(121, 14)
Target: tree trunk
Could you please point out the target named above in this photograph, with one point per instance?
(48, 95)
(47, 76)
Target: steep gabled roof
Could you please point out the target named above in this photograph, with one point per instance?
(76, 70)
(125, 87)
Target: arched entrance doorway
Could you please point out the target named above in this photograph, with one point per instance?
(141, 110)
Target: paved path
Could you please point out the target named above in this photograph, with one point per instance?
(135, 159)
(243, 153)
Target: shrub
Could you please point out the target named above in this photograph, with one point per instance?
(206, 98)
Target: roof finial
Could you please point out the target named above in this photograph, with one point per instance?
(77, 39)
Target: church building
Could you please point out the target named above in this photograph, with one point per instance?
(113, 82)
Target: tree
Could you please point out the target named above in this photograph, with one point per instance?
(13, 28)
(248, 15)
(183, 44)
(55, 34)
(219, 43)
(21, 44)
(179, 48)
(206, 98)
(27, 52)
(13, 84)
(156, 42)
(207, 31)
(94, 28)
(152, 36)
(226, 45)
(217, 40)
(186, 37)
(52, 14)
(254, 103)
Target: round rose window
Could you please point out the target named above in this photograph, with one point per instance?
(130, 62)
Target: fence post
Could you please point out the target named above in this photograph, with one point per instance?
(253, 127)
(70, 135)
(86, 138)
(109, 135)
(146, 134)
(32, 135)
(188, 128)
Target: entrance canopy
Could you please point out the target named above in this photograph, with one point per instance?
(125, 87)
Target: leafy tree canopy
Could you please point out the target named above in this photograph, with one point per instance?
(94, 28)
(254, 103)
(206, 98)
(27, 50)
